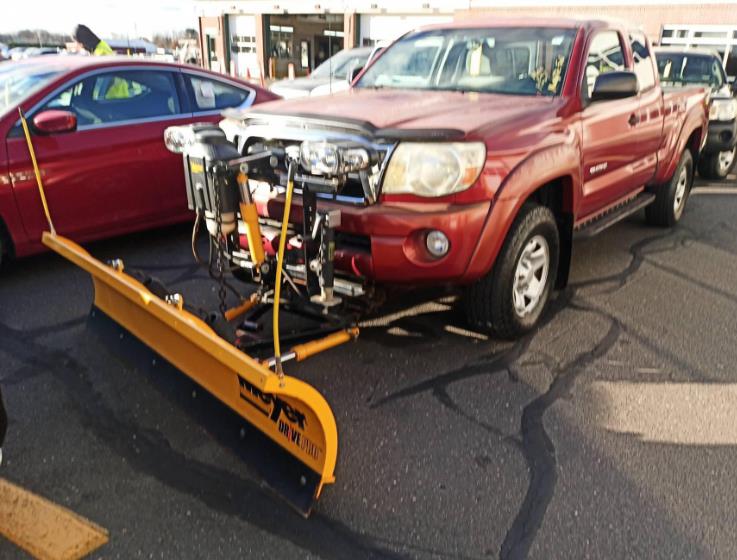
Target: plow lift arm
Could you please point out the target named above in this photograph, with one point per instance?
(295, 418)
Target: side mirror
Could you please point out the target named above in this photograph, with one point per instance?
(355, 71)
(614, 85)
(54, 121)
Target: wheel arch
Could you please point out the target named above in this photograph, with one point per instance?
(558, 195)
(556, 166)
(694, 145)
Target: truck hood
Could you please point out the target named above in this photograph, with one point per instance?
(427, 110)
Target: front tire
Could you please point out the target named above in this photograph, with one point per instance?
(717, 165)
(670, 198)
(509, 300)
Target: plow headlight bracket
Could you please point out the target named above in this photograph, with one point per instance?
(433, 169)
(325, 158)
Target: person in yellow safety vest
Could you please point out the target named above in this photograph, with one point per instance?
(96, 46)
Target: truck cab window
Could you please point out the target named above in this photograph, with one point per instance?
(605, 55)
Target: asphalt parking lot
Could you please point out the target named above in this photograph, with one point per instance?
(607, 433)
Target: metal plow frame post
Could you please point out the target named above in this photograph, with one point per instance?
(287, 410)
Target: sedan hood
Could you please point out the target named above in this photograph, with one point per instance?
(403, 109)
(306, 84)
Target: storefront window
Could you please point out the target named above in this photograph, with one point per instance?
(281, 40)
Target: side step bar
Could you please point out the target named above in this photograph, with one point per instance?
(618, 213)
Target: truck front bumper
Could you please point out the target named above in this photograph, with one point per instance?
(721, 137)
(386, 243)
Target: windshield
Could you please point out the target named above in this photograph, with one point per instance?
(19, 81)
(514, 60)
(687, 68)
(340, 64)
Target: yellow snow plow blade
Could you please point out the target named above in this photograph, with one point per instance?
(291, 413)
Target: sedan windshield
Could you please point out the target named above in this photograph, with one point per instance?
(18, 81)
(687, 68)
(513, 60)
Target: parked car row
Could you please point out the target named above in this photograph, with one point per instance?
(488, 146)
(21, 53)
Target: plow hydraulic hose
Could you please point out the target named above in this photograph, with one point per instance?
(36, 170)
(279, 266)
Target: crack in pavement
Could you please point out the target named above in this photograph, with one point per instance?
(637, 258)
(499, 362)
(148, 451)
(539, 450)
(535, 444)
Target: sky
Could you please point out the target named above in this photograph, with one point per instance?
(140, 18)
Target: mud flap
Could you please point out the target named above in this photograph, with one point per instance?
(291, 414)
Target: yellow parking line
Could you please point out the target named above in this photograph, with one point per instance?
(44, 529)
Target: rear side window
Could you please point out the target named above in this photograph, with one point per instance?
(122, 95)
(605, 55)
(211, 95)
(643, 60)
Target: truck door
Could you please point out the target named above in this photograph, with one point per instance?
(608, 153)
(647, 133)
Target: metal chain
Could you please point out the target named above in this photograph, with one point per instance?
(219, 267)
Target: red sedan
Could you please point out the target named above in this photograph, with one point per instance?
(98, 127)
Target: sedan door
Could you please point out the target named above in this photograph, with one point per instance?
(114, 173)
(608, 154)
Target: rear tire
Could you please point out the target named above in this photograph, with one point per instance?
(670, 198)
(718, 164)
(509, 300)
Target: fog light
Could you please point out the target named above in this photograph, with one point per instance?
(437, 243)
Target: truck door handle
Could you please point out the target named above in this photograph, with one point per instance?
(633, 120)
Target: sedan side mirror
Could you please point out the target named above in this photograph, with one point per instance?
(614, 85)
(54, 121)
(355, 71)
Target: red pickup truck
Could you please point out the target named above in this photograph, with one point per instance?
(472, 154)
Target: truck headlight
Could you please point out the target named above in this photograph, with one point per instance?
(723, 110)
(433, 169)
